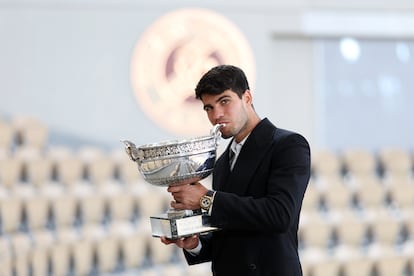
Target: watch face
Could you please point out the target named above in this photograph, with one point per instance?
(172, 55)
(205, 202)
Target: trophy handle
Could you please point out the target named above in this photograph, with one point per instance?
(215, 131)
(132, 151)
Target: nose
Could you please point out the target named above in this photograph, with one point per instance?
(217, 114)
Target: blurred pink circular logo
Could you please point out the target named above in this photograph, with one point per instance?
(172, 55)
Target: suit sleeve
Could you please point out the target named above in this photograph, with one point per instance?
(205, 253)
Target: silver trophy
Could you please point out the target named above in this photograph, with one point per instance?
(177, 163)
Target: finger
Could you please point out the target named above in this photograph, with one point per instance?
(173, 204)
(174, 189)
(164, 240)
(177, 197)
(177, 205)
(180, 242)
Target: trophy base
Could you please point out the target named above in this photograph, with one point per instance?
(180, 227)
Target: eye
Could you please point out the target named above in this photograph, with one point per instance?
(224, 101)
(207, 108)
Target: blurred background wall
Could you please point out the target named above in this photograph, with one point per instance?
(76, 77)
(68, 63)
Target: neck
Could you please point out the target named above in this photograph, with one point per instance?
(250, 125)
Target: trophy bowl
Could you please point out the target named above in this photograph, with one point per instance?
(178, 161)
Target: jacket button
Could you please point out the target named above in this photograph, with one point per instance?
(252, 266)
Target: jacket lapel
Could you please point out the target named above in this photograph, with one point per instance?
(251, 155)
(222, 171)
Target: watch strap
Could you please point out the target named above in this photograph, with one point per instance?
(210, 193)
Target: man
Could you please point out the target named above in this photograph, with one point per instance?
(256, 200)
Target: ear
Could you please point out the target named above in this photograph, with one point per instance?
(247, 96)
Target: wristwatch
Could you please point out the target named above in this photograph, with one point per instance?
(206, 200)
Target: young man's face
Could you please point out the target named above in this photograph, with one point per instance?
(227, 108)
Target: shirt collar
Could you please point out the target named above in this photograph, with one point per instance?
(236, 147)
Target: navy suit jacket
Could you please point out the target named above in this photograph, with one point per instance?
(257, 206)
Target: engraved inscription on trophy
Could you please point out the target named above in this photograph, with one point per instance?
(177, 163)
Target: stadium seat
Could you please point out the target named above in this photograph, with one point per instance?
(11, 210)
(30, 131)
(83, 256)
(159, 252)
(121, 206)
(7, 135)
(37, 211)
(359, 161)
(385, 232)
(386, 229)
(128, 170)
(61, 251)
(92, 208)
(60, 257)
(69, 170)
(150, 201)
(134, 248)
(6, 257)
(361, 266)
(337, 196)
(392, 265)
(21, 245)
(326, 268)
(107, 249)
(396, 162)
(312, 199)
(326, 163)
(315, 236)
(172, 270)
(370, 192)
(101, 170)
(351, 233)
(43, 241)
(39, 171)
(11, 172)
(402, 193)
(64, 210)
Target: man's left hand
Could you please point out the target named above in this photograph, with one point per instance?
(187, 196)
